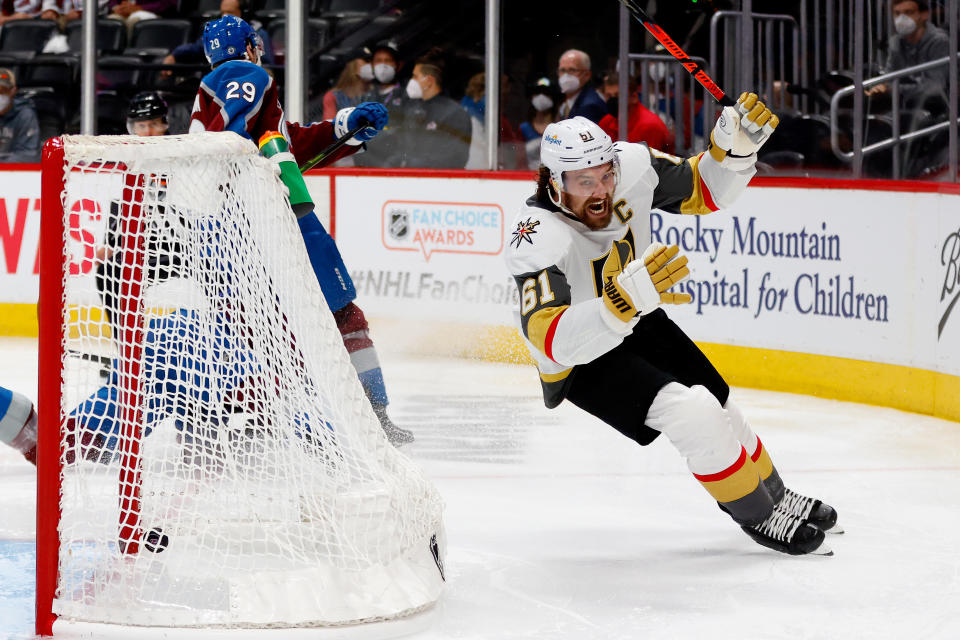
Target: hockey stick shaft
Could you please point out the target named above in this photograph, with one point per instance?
(694, 69)
(317, 159)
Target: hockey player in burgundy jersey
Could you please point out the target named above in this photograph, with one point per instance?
(591, 285)
(239, 95)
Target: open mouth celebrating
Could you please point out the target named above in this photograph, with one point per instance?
(597, 209)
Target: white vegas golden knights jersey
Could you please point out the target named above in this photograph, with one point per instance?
(557, 260)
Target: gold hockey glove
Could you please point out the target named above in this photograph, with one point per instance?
(665, 271)
(636, 287)
(740, 131)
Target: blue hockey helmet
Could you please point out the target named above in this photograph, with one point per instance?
(227, 38)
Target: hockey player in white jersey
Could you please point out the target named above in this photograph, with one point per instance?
(590, 309)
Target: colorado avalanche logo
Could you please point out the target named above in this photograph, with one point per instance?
(524, 231)
(553, 140)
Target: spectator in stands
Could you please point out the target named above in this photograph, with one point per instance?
(351, 88)
(28, 9)
(192, 52)
(511, 143)
(580, 98)
(643, 125)
(474, 96)
(386, 90)
(130, 13)
(543, 101)
(147, 115)
(436, 130)
(19, 130)
(66, 10)
(474, 103)
(917, 41)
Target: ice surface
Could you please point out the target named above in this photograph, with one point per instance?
(560, 528)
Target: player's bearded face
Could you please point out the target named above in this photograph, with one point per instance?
(588, 193)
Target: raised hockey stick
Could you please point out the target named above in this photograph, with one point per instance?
(333, 147)
(664, 38)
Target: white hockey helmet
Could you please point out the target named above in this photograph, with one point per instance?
(577, 143)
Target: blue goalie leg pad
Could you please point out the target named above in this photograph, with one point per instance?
(332, 274)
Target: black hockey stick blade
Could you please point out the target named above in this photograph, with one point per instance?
(692, 67)
(317, 159)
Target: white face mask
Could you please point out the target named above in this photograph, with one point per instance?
(4, 103)
(541, 102)
(414, 90)
(384, 72)
(365, 72)
(904, 24)
(568, 82)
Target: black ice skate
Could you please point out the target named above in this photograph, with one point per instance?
(397, 436)
(820, 515)
(787, 533)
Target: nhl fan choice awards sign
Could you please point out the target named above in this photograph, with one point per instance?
(438, 254)
(442, 227)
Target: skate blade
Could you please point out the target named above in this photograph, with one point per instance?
(822, 550)
(836, 529)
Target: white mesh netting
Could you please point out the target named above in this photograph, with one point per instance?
(220, 463)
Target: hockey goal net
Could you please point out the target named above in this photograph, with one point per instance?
(207, 454)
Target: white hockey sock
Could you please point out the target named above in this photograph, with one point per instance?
(697, 426)
(741, 429)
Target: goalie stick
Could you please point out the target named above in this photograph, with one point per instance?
(664, 38)
(317, 159)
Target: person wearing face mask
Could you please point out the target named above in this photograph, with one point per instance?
(19, 129)
(386, 64)
(386, 90)
(923, 95)
(351, 87)
(436, 130)
(917, 40)
(543, 100)
(579, 96)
